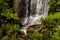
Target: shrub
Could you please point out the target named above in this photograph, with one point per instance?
(9, 14)
(35, 36)
(9, 32)
(54, 6)
(51, 22)
(3, 4)
(10, 28)
(56, 36)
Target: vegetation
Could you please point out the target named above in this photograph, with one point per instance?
(9, 28)
(49, 28)
(54, 6)
(10, 22)
(35, 36)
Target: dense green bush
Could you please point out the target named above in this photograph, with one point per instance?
(35, 36)
(54, 6)
(51, 23)
(9, 28)
(3, 4)
(57, 35)
(9, 14)
(9, 32)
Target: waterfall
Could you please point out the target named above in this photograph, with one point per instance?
(34, 9)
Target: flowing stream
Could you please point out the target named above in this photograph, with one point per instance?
(34, 9)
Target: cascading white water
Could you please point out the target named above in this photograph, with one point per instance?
(35, 9)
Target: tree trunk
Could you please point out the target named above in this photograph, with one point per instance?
(16, 5)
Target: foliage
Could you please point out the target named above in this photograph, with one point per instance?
(50, 26)
(9, 14)
(48, 30)
(9, 26)
(9, 29)
(3, 4)
(57, 35)
(54, 6)
(35, 36)
(51, 21)
(9, 32)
